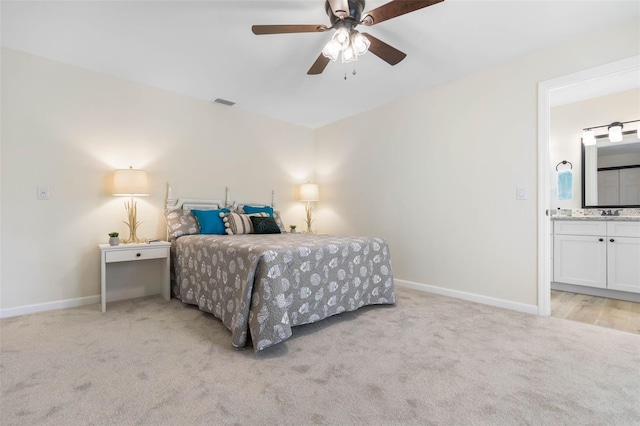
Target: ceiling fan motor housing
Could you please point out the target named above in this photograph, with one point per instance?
(355, 12)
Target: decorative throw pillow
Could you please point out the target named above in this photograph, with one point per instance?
(236, 224)
(276, 216)
(210, 221)
(180, 222)
(258, 209)
(264, 225)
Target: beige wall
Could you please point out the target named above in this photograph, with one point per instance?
(567, 122)
(69, 128)
(436, 173)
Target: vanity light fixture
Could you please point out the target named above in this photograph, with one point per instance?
(614, 130)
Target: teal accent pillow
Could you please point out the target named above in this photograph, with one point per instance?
(210, 221)
(256, 209)
(264, 225)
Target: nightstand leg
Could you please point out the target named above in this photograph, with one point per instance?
(103, 283)
(166, 279)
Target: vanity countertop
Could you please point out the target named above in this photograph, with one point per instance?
(601, 218)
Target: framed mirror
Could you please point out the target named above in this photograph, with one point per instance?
(611, 172)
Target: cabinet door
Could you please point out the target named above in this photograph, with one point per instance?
(580, 260)
(623, 259)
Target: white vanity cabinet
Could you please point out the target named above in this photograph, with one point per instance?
(580, 253)
(601, 254)
(623, 256)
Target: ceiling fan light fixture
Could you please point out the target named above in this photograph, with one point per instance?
(349, 55)
(360, 43)
(342, 37)
(349, 43)
(331, 50)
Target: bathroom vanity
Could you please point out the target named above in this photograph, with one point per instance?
(597, 255)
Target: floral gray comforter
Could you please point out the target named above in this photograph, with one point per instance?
(265, 284)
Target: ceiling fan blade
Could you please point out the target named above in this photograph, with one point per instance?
(382, 50)
(340, 8)
(394, 9)
(287, 29)
(319, 65)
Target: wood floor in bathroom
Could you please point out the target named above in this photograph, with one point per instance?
(611, 313)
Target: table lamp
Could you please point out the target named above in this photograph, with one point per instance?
(131, 183)
(309, 192)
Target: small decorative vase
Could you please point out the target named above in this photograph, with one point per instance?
(293, 231)
(114, 241)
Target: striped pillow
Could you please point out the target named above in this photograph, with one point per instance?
(236, 224)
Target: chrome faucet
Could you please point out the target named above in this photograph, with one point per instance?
(610, 213)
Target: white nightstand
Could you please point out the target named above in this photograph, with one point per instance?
(134, 253)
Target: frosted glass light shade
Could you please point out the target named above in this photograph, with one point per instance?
(348, 55)
(331, 50)
(309, 192)
(130, 182)
(342, 37)
(588, 138)
(360, 43)
(615, 132)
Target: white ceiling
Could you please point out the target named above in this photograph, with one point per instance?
(206, 49)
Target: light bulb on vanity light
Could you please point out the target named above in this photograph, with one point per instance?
(588, 137)
(615, 132)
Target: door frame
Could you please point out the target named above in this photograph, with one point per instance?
(545, 92)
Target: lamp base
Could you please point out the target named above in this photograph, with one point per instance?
(308, 209)
(135, 240)
(132, 223)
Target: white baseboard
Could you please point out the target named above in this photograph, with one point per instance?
(471, 297)
(49, 306)
(90, 300)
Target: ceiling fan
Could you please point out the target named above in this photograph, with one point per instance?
(347, 42)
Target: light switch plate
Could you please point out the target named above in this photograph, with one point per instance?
(521, 193)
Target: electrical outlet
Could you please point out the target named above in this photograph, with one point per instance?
(43, 193)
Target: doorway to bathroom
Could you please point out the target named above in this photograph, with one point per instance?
(592, 83)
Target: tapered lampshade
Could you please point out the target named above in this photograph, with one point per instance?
(130, 182)
(309, 192)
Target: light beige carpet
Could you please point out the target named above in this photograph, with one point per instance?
(427, 360)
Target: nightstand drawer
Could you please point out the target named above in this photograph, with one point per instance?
(136, 254)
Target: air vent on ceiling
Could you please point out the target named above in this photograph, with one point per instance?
(223, 102)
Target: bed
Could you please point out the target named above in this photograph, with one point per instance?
(262, 285)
